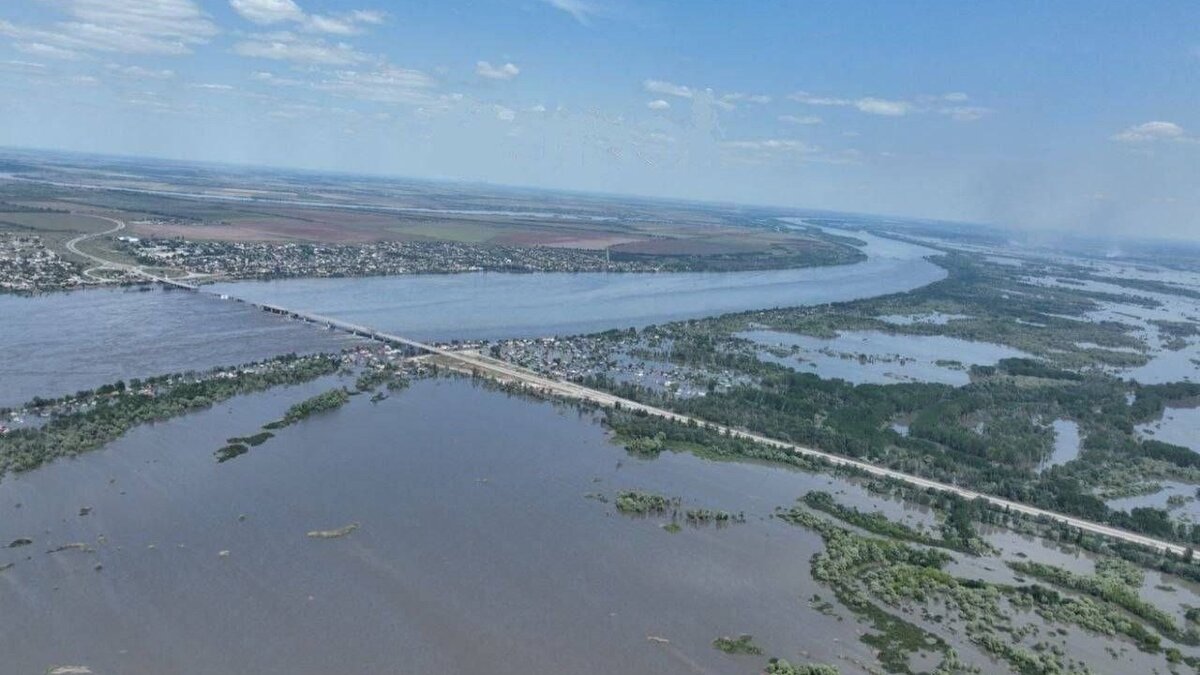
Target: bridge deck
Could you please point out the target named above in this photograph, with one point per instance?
(475, 363)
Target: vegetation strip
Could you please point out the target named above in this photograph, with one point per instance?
(94, 418)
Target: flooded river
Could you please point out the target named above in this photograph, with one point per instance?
(60, 343)
(497, 305)
(481, 547)
(119, 334)
(477, 550)
(487, 539)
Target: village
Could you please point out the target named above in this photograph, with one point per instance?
(625, 357)
(27, 266)
(269, 260)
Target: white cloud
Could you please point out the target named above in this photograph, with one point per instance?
(802, 120)
(371, 16)
(269, 12)
(505, 72)
(658, 104)
(768, 150)
(45, 51)
(275, 80)
(759, 99)
(579, 9)
(668, 88)
(140, 73)
(872, 105)
(727, 101)
(867, 104)
(770, 144)
(388, 84)
(964, 113)
(293, 48)
(808, 99)
(503, 113)
(127, 26)
(211, 86)
(1148, 132)
(22, 66)
(880, 106)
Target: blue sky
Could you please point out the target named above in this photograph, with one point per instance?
(1082, 116)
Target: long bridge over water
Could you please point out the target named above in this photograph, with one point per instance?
(476, 363)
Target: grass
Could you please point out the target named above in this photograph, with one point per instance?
(742, 644)
(643, 503)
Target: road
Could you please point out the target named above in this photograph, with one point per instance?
(501, 371)
(73, 246)
(104, 264)
(504, 371)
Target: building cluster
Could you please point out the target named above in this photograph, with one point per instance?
(261, 260)
(27, 266)
(627, 358)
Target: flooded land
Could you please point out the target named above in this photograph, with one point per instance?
(351, 512)
(474, 551)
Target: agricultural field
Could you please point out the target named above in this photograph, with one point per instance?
(368, 218)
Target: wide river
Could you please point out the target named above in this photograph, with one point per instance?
(487, 542)
(59, 343)
(478, 551)
(493, 305)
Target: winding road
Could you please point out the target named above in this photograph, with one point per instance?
(104, 264)
(73, 247)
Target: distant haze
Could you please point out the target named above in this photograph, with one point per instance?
(1073, 116)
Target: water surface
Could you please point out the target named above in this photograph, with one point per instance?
(1066, 443)
(478, 551)
(881, 358)
(1180, 426)
(489, 305)
(59, 343)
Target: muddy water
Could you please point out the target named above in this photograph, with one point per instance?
(881, 358)
(57, 344)
(477, 550)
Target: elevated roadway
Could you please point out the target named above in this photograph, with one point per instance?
(473, 362)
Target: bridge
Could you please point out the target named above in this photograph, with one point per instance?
(501, 371)
(478, 364)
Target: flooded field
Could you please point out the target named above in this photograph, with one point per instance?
(873, 357)
(474, 551)
(1180, 426)
(1066, 443)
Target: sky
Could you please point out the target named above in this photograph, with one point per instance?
(1066, 115)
